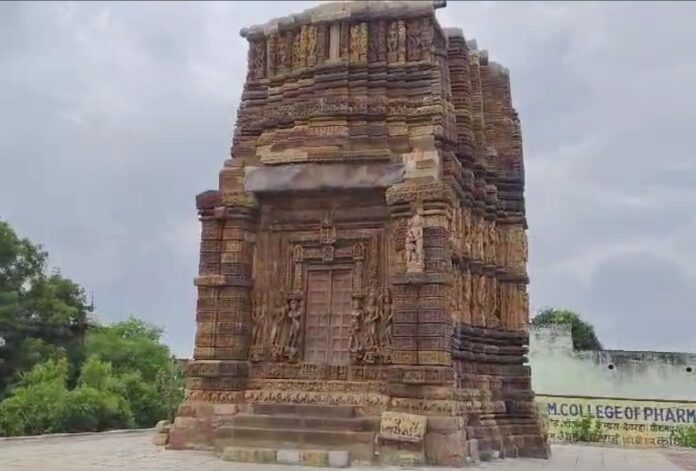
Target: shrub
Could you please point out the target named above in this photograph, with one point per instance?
(37, 401)
(685, 436)
(91, 410)
(585, 429)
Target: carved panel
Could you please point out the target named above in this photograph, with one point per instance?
(284, 55)
(257, 59)
(322, 48)
(311, 45)
(299, 49)
(358, 42)
(345, 40)
(377, 44)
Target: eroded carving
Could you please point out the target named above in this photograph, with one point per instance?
(415, 255)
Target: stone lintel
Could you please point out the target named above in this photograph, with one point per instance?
(315, 177)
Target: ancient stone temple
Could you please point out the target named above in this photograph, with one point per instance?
(362, 280)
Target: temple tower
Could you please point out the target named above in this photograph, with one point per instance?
(363, 260)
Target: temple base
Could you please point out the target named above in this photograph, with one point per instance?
(252, 432)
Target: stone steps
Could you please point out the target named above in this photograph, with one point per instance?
(300, 427)
(322, 438)
(305, 410)
(297, 422)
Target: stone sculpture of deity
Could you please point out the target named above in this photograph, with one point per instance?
(415, 260)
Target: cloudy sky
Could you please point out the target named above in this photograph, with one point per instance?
(113, 116)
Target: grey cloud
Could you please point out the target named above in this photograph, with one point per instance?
(114, 115)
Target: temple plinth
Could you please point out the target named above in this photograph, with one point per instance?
(362, 281)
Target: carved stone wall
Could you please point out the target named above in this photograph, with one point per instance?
(401, 287)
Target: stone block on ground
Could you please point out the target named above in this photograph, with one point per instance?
(314, 457)
(160, 439)
(249, 455)
(163, 426)
(288, 457)
(339, 459)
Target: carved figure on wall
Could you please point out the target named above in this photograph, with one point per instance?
(260, 60)
(375, 39)
(356, 318)
(478, 238)
(279, 323)
(284, 56)
(294, 316)
(344, 40)
(492, 314)
(258, 317)
(327, 253)
(466, 296)
(466, 231)
(393, 41)
(413, 40)
(311, 45)
(327, 232)
(299, 57)
(415, 256)
(480, 297)
(372, 315)
(272, 53)
(523, 313)
(387, 318)
(358, 42)
(524, 247)
(322, 43)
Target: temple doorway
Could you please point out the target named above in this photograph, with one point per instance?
(327, 320)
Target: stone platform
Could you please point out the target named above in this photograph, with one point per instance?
(135, 451)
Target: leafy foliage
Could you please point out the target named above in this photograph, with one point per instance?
(584, 337)
(62, 372)
(685, 436)
(42, 315)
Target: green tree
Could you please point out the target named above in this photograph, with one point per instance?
(146, 371)
(584, 337)
(37, 309)
(59, 371)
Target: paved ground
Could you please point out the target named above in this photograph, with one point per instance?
(134, 451)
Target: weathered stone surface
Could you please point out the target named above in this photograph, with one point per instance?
(446, 449)
(314, 457)
(319, 177)
(288, 456)
(402, 427)
(339, 459)
(163, 426)
(249, 454)
(160, 439)
(366, 250)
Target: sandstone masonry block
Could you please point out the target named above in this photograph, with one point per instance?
(339, 459)
(288, 457)
(314, 457)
